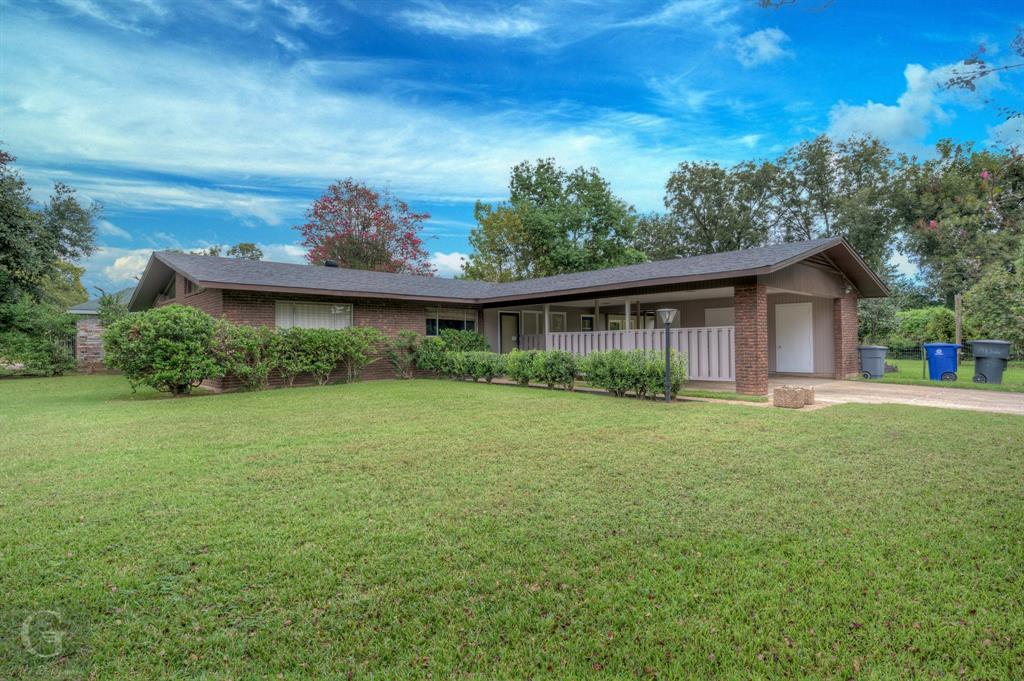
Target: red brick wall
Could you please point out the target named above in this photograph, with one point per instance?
(89, 343)
(258, 309)
(844, 329)
(751, 300)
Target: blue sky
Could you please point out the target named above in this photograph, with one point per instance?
(219, 122)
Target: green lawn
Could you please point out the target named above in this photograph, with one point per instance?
(910, 374)
(434, 528)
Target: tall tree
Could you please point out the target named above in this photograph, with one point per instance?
(36, 242)
(962, 213)
(246, 251)
(499, 244)
(554, 222)
(826, 188)
(711, 209)
(63, 287)
(362, 229)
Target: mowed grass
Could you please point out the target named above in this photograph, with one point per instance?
(910, 374)
(435, 529)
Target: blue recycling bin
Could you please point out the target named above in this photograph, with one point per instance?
(941, 361)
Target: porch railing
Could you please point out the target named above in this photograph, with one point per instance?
(710, 350)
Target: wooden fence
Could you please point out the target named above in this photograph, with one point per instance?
(710, 350)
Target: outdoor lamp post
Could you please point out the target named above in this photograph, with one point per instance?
(666, 315)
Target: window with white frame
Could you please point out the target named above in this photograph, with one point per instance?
(288, 314)
(440, 318)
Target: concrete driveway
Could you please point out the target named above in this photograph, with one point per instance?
(828, 390)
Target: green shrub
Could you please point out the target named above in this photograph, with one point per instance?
(607, 370)
(323, 349)
(401, 352)
(36, 337)
(430, 355)
(291, 353)
(519, 366)
(358, 346)
(641, 372)
(554, 367)
(994, 307)
(485, 366)
(167, 348)
(463, 341)
(247, 353)
(456, 365)
(925, 324)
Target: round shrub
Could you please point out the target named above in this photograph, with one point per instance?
(291, 353)
(519, 366)
(555, 367)
(485, 366)
(168, 348)
(430, 355)
(247, 353)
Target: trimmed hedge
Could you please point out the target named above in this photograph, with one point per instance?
(554, 367)
(432, 350)
(641, 372)
(175, 348)
(519, 366)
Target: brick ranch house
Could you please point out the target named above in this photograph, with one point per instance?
(741, 316)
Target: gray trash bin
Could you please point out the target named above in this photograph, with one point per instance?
(990, 358)
(872, 360)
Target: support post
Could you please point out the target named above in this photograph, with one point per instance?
(547, 324)
(668, 362)
(627, 315)
(597, 315)
(958, 304)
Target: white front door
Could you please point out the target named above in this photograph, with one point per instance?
(794, 338)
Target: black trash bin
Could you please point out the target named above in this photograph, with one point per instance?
(872, 360)
(990, 357)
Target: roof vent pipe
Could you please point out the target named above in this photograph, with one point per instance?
(330, 263)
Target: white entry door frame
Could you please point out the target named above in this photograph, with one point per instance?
(794, 338)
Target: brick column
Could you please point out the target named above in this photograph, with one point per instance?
(844, 330)
(751, 302)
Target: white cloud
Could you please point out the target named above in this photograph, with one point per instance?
(289, 127)
(906, 123)
(448, 264)
(290, 44)
(515, 22)
(125, 15)
(126, 268)
(762, 47)
(111, 267)
(707, 13)
(107, 228)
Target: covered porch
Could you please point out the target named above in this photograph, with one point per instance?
(741, 333)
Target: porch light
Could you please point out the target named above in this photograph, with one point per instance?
(667, 315)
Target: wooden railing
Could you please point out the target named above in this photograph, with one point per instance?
(710, 350)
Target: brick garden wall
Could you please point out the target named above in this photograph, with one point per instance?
(89, 343)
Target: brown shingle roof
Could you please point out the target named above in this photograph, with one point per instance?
(215, 272)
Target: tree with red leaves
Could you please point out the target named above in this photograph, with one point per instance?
(361, 229)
